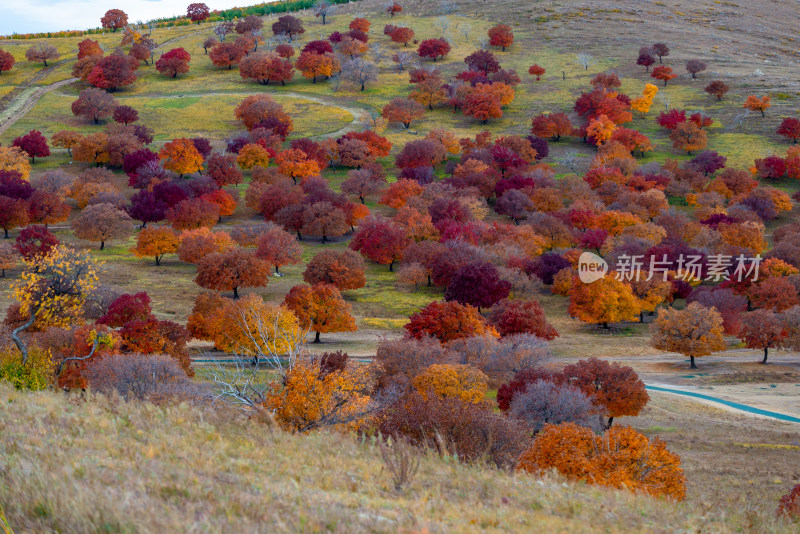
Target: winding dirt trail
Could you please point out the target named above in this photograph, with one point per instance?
(355, 111)
(24, 97)
(24, 102)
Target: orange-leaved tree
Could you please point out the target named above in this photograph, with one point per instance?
(155, 242)
(308, 398)
(620, 458)
(753, 103)
(181, 156)
(607, 300)
(615, 389)
(228, 271)
(687, 136)
(664, 73)
(694, 331)
(403, 110)
(320, 308)
(296, 164)
(447, 321)
(251, 327)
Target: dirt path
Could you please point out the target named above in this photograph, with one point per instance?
(352, 110)
(7, 101)
(25, 101)
(21, 100)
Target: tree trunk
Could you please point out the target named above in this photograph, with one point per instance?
(6, 233)
(605, 325)
(316, 337)
(429, 281)
(692, 366)
(610, 422)
(236, 292)
(102, 245)
(158, 261)
(391, 266)
(18, 340)
(764, 361)
(277, 271)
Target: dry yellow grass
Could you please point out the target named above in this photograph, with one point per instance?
(103, 465)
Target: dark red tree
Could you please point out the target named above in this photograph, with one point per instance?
(125, 115)
(790, 129)
(114, 71)
(477, 284)
(546, 266)
(289, 26)
(127, 308)
(198, 12)
(174, 62)
(521, 317)
(34, 144)
(35, 241)
(146, 207)
(380, 241)
(482, 61)
(433, 48)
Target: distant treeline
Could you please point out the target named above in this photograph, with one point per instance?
(282, 6)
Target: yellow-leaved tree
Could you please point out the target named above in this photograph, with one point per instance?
(252, 327)
(463, 382)
(52, 290)
(643, 103)
(14, 159)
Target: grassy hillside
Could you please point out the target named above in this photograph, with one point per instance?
(103, 465)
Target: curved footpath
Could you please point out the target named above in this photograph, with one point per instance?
(735, 405)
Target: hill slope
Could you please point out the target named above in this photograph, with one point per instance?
(73, 465)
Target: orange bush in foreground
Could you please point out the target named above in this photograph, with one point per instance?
(620, 458)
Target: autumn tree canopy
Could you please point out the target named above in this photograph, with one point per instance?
(114, 19)
(197, 12)
(228, 271)
(620, 458)
(320, 308)
(694, 331)
(101, 223)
